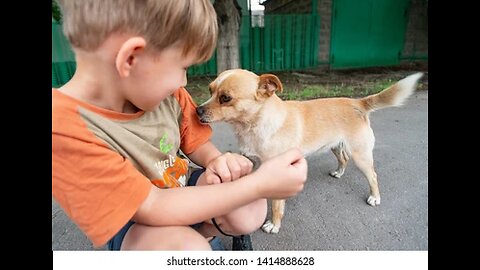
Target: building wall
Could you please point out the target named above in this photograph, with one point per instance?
(416, 36)
(324, 9)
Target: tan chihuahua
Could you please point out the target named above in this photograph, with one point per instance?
(266, 126)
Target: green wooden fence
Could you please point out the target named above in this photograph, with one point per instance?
(64, 66)
(207, 68)
(283, 42)
(280, 42)
(63, 59)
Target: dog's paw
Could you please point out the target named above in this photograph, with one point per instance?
(336, 174)
(269, 227)
(373, 201)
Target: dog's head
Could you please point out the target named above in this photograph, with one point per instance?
(237, 95)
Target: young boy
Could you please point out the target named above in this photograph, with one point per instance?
(119, 123)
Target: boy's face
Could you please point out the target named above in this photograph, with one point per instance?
(155, 78)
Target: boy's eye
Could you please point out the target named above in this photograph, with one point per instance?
(225, 99)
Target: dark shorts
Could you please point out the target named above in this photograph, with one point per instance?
(116, 242)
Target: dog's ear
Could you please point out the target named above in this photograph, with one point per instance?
(268, 84)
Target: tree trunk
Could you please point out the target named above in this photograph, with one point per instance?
(228, 16)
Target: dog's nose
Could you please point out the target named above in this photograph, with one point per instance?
(200, 110)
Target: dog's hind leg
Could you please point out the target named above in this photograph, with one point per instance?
(278, 209)
(342, 157)
(364, 161)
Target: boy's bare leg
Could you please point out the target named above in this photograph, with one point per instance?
(140, 237)
(243, 220)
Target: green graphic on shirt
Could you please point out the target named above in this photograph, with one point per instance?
(164, 146)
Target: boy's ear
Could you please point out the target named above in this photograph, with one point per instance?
(268, 84)
(126, 56)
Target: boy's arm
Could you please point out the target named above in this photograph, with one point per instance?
(193, 204)
(204, 154)
(280, 177)
(220, 167)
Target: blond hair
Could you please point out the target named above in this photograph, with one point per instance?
(191, 23)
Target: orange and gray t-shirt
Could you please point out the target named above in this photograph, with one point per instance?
(104, 162)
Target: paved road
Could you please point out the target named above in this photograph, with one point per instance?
(331, 214)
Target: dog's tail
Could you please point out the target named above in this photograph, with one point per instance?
(394, 95)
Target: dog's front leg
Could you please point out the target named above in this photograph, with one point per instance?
(273, 226)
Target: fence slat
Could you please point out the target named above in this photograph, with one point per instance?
(288, 42)
(282, 42)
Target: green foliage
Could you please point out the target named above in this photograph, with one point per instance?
(56, 12)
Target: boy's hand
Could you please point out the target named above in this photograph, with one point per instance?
(282, 176)
(227, 167)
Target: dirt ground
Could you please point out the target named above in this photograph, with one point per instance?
(357, 79)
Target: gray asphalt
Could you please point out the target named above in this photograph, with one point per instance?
(330, 213)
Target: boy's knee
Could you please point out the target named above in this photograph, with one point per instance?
(164, 238)
(194, 241)
(248, 220)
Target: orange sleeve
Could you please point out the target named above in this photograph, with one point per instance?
(193, 133)
(98, 188)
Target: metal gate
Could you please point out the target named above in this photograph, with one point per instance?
(279, 42)
(367, 33)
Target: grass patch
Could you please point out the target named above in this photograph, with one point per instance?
(198, 88)
(316, 91)
(200, 92)
(373, 87)
(325, 85)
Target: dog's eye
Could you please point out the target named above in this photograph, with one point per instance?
(225, 99)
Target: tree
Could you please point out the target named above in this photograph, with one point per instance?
(56, 12)
(229, 17)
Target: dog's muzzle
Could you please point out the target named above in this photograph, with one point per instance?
(200, 111)
(201, 114)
